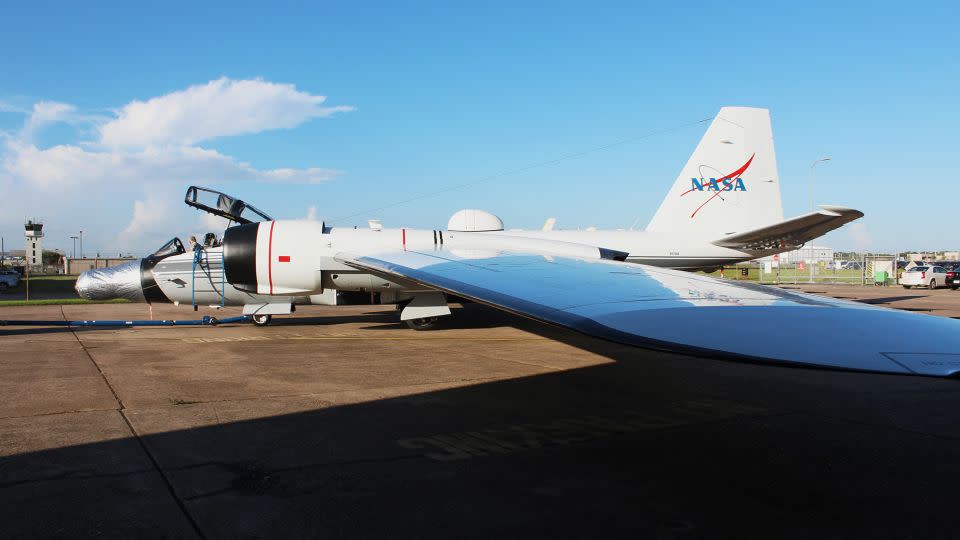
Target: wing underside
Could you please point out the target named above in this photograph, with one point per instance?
(680, 311)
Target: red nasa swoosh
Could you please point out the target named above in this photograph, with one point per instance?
(734, 174)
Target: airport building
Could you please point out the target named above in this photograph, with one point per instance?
(806, 254)
(77, 265)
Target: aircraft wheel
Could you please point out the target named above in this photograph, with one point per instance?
(425, 323)
(262, 320)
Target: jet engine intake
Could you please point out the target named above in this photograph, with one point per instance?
(274, 257)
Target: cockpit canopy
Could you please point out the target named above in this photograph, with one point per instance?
(226, 206)
(173, 247)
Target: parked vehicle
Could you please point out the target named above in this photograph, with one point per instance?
(953, 278)
(924, 276)
(8, 278)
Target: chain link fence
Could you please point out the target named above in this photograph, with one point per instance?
(849, 268)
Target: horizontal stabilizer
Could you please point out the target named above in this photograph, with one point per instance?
(793, 232)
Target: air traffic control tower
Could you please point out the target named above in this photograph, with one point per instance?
(33, 252)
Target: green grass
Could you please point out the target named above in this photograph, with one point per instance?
(60, 301)
(48, 285)
(53, 290)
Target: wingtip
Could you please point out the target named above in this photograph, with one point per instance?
(832, 210)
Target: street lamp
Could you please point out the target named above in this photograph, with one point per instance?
(81, 243)
(810, 180)
(74, 256)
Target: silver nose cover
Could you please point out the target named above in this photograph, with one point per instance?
(121, 281)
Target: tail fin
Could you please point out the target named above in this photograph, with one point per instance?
(730, 184)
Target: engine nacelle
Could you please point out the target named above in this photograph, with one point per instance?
(274, 257)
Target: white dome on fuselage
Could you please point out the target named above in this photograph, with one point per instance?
(472, 220)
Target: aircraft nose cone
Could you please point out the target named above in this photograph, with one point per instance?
(121, 281)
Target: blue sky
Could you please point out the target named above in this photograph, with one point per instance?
(422, 96)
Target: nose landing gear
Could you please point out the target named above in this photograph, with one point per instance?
(262, 320)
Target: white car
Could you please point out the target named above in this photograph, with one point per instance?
(8, 279)
(924, 276)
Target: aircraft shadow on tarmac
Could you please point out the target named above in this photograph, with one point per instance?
(887, 299)
(648, 445)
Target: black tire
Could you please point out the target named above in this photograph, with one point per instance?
(426, 323)
(3, 285)
(954, 287)
(907, 286)
(933, 284)
(262, 320)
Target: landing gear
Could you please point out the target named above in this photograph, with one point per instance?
(262, 320)
(425, 323)
(422, 311)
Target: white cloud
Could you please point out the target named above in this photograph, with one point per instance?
(146, 215)
(44, 113)
(218, 108)
(67, 165)
(145, 155)
(7, 107)
(861, 237)
(212, 223)
(48, 112)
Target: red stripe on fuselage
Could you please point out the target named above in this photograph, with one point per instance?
(270, 257)
(404, 238)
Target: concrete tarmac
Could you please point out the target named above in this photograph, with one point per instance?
(340, 422)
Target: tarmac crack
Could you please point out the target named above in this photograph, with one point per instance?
(445, 383)
(146, 450)
(73, 475)
(55, 413)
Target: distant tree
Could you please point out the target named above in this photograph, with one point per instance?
(51, 258)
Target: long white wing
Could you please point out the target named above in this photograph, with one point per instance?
(673, 310)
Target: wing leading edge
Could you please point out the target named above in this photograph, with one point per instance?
(680, 311)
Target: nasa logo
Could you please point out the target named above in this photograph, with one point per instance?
(729, 184)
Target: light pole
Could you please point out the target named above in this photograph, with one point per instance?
(811, 260)
(810, 179)
(74, 255)
(81, 243)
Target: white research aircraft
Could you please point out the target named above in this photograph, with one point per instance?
(570, 281)
(708, 219)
